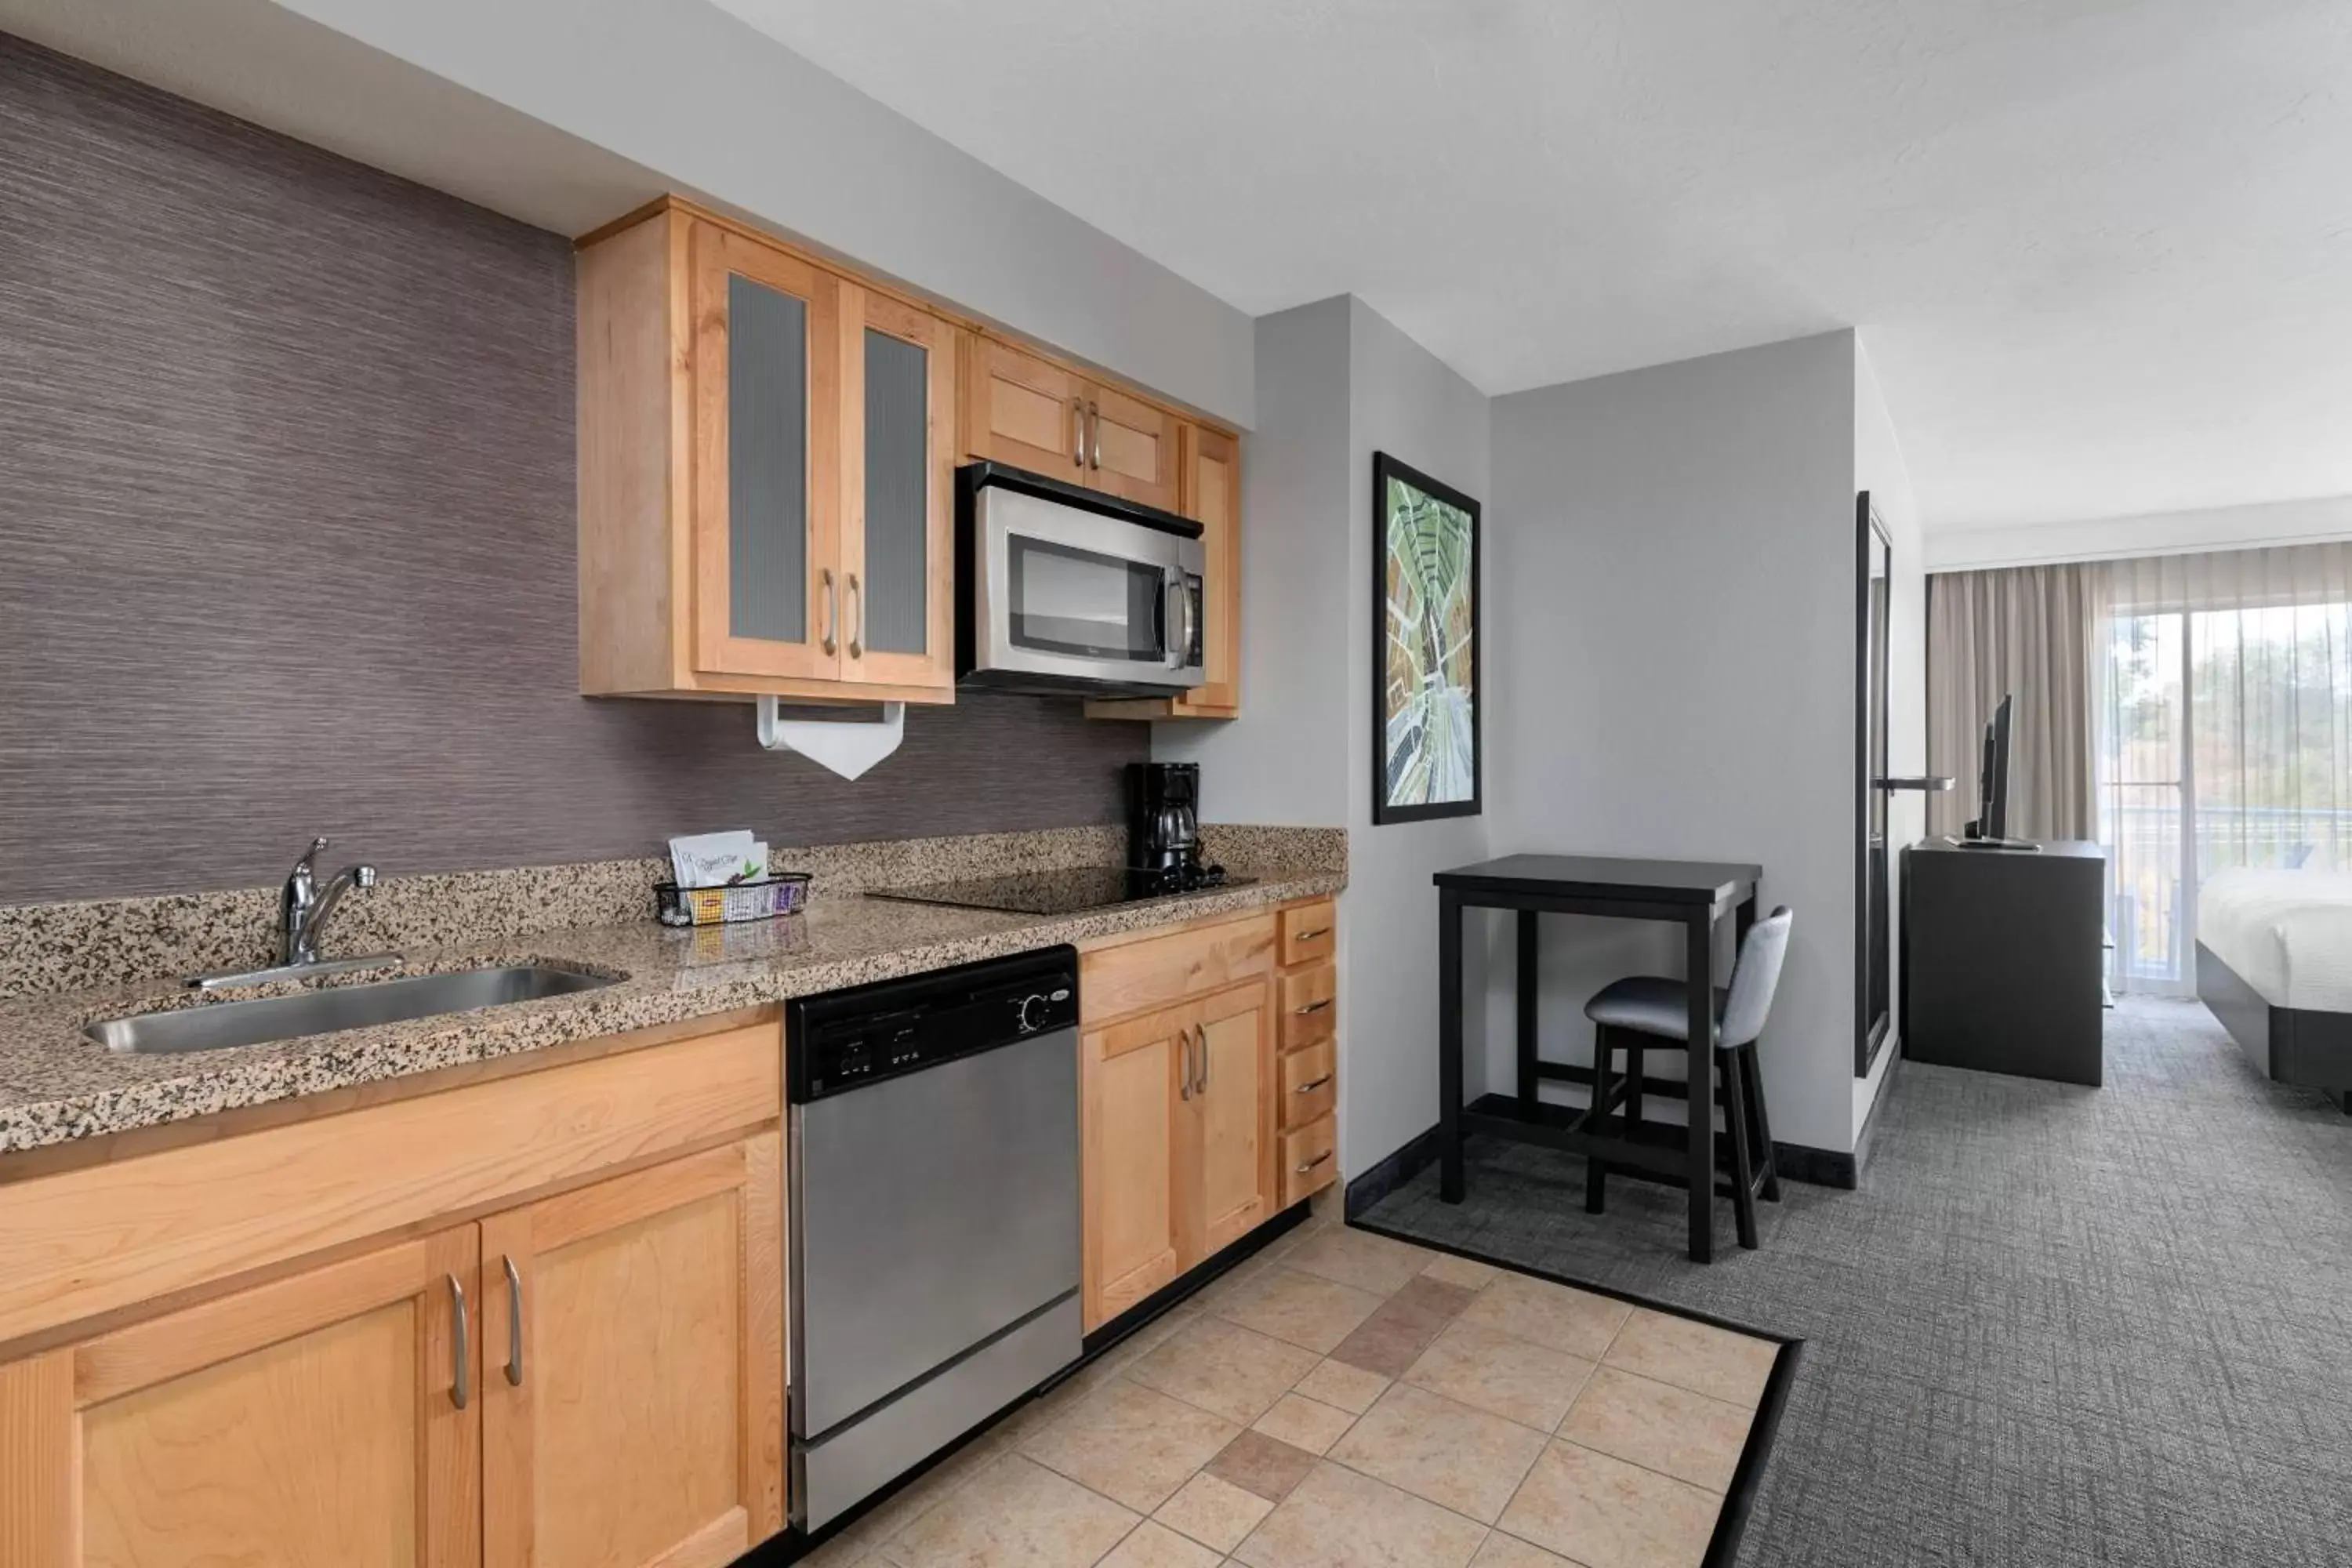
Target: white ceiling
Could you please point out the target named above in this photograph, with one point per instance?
(2101, 250)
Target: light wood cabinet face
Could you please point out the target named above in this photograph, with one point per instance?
(1036, 415)
(766, 459)
(766, 463)
(1310, 1087)
(1309, 1004)
(634, 1362)
(1211, 497)
(1133, 1117)
(1236, 1110)
(313, 1419)
(1309, 1161)
(1027, 412)
(897, 548)
(1130, 448)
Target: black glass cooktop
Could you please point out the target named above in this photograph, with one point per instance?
(1065, 892)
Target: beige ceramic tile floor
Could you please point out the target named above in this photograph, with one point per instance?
(1347, 1401)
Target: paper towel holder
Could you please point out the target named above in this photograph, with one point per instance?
(848, 746)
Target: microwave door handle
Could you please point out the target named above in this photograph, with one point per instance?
(1176, 611)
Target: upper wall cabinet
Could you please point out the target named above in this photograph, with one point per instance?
(766, 473)
(1032, 414)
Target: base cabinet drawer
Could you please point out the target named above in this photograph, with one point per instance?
(1167, 971)
(1310, 1084)
(1310, 1000)
(1309, 1159)
(1308, 932)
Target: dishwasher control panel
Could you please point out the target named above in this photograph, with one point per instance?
(844, 1040)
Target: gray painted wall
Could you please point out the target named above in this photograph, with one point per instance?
(1879, 468)
(1406, 402)
(1335, 383)
(716, 106)
(1672, 588)
(1284, 760)
(285, 503)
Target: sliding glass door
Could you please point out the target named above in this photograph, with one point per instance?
(2225, 738)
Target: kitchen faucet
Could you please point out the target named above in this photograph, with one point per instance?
(303, 909)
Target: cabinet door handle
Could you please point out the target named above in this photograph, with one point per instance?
(1200, 1033)
(514, 1323)
(1078, 432)
(1315, 1161)
(1311, 1088)
(1313, 1007)
(1094, 420)
(856, 618)
(461, 1386)
(1184, 1064)
(832, 612)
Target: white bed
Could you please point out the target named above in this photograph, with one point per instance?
(2287, 934)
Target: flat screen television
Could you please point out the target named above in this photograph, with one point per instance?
(1991, 829)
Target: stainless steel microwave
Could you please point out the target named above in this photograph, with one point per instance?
(1067, 590)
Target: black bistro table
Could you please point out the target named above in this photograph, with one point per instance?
(1693, 894)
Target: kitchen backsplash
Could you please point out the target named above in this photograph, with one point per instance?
(287, 504)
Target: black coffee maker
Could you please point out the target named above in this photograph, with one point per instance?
(1163, 823)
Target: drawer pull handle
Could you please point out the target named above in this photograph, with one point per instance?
(1315, 1161)
(1311, 936)
(1311, 1088)
(1313, 1007)
(461, 1385)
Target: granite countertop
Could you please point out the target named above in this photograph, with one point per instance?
(57, 1084)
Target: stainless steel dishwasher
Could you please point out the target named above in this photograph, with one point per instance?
(934, 1193)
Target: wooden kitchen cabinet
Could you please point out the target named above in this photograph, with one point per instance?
(334, 1416)
(633, 1409)
(1132, 1107)
(1180, 1097)
(766, 472)
(1024, 409)
(1132, 447)
(1233, 1104)
(387, 1392)
(1177, 1156)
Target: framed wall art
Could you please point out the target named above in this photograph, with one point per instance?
(1425, 720)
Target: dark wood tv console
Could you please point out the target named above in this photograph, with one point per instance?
(2003, 958)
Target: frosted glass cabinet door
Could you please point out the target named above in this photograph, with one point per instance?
(768, 599)
(898, 555)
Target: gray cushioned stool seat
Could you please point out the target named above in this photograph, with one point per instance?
(1650, 1005)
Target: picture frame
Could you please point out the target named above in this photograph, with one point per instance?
(1428, 760)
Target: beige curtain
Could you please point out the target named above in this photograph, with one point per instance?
(2024, 632)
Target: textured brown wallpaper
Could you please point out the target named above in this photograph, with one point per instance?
(286, 541)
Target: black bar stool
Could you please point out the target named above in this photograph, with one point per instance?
(1644, 1011)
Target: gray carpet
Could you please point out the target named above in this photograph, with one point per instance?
(2056, 1326)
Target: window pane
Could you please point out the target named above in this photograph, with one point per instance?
(2139, 794)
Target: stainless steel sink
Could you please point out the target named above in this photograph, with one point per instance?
(224, 1023)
